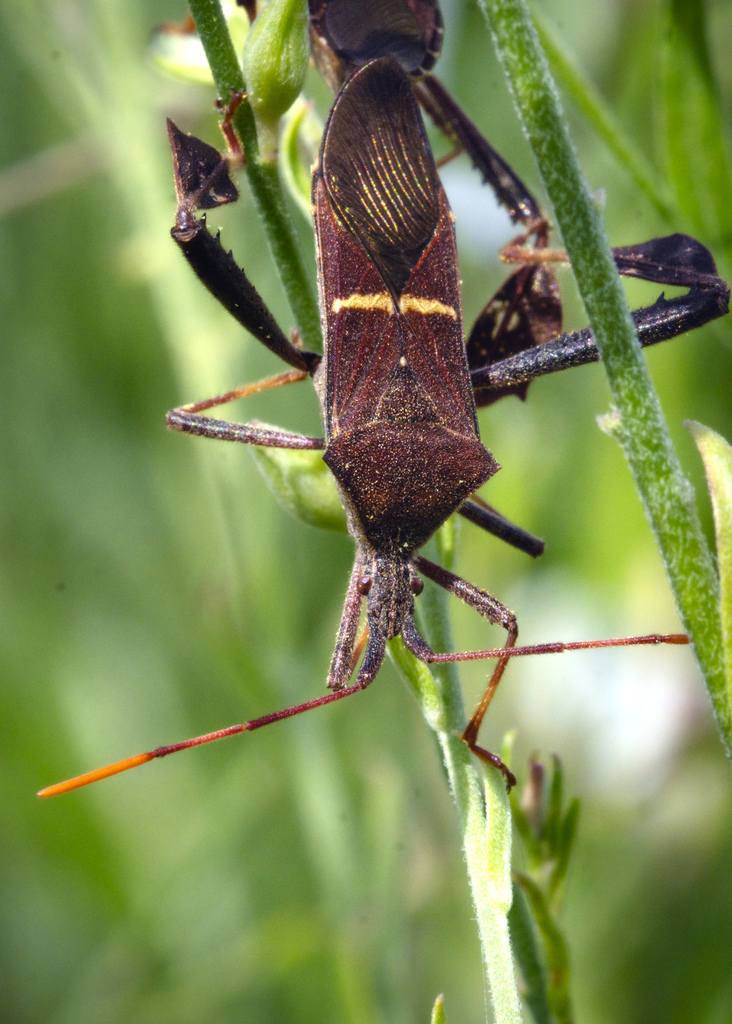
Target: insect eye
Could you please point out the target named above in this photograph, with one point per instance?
(416, 585)
(364, 585)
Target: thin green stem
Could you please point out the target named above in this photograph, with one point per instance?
(484, 817)
(485, 827)
(639, 425)
(262, 173)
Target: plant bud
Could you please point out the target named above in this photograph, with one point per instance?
(275, 61)
(302, 483)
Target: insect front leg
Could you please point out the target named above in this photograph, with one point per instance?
(202, 182)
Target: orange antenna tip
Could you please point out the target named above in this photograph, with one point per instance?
(95, 776)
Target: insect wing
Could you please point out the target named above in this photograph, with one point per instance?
(359, 323)
(379, 175)
(433, 345)
(525, 312)
(386, 250)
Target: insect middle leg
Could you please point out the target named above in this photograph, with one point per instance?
(481, 514)
(188, 418)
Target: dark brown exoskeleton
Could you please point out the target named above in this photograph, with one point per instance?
(397, 394)
(401, 430)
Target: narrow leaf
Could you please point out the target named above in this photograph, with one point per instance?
(528, 957)
(716, 454)
(565, 845)
(438, 1011)
(695, 130)
(555, 949)
(664, 491)
(554, 808)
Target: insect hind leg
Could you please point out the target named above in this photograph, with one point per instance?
(496, 613)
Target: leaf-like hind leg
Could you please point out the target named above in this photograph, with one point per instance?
(677, 260)
(202, 183)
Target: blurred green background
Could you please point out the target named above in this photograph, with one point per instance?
(152, 589)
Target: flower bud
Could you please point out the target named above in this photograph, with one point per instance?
(275, 61)
(303, 484)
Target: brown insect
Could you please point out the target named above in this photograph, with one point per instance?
(394, 382)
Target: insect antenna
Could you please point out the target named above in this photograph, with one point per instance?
(197, 741)
(366, 675)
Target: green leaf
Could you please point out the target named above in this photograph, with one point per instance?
(565, 845)
(555, 949)
(640, 428)
(694, 127)
(528, 814)
(438, 1011)
(554, 808)
(498, 849)
(529, 959)
(716, 454)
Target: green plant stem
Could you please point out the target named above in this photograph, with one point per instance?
(484, 817)
(262, 173)
(639, 425)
